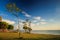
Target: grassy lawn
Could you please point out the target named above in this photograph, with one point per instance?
(25, 36)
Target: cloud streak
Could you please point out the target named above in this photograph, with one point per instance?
(37, 18)
(26, 14)
(8, 21)
(43, 22)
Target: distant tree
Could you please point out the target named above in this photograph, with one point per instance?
(25, 26)
(10, 27)
(3, 25)
(29, 30)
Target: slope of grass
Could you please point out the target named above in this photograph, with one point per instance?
(25, 36)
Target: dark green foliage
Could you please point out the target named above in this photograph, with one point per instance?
(10, 27)
(29, 29)
(3, 25)
(13, 8)
(24, 27)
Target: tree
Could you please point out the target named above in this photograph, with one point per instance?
(10, 27)
(29, 26)
(3, 25)
(29, 30)
(14, 9)
(25, 26)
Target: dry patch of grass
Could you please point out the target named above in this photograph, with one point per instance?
(7, 35)
(25, 35)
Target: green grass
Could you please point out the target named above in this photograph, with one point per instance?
(25, 36)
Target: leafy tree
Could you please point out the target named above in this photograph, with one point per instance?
(10, 27)
(3, 25)
(14, 9)
(29, 30)
(25, 26)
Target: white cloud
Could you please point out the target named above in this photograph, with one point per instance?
(51, 20)
(37, 18)
(26, 14)
(15, 27)
(8, 21)
(21, 23)
(20, 26)
(43, 22)
(46, 27)
(33, 25)
(21, 20)
(41, 26)
(34, 21)
(38, 24)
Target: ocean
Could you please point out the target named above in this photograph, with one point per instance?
(53, 32)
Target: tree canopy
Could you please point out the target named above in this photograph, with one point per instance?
(10, 27)
(4, 25)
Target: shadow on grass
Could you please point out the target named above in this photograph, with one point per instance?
(31, 39)
(37, 39)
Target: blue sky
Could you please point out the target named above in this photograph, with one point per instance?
(44, 14)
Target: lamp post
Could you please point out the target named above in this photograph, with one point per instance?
(13, 8)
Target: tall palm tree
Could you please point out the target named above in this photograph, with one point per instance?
(13, 8)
